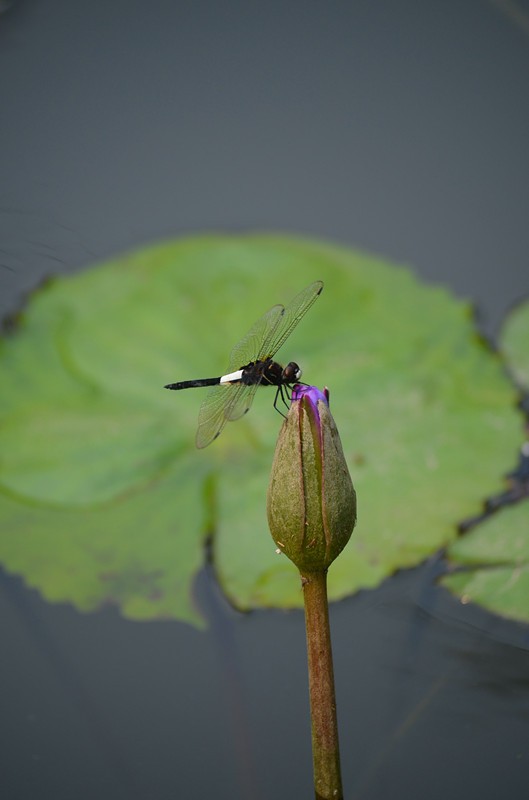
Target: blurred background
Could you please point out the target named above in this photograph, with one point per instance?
(399, 128)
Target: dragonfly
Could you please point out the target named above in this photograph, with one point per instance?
(251, 365)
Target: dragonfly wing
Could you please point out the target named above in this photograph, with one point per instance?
(289, 318)
(250, 345)
(225, 402)
(230, 401)
(242, 402)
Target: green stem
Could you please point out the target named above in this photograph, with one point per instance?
(325, 748)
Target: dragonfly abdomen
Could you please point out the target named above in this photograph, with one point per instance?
(193, 384)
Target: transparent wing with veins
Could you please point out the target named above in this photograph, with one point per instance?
(271, 331)
(230, 401)
(250, 346)
(225, 402)
(288, 319)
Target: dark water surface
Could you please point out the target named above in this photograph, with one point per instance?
(401, 128)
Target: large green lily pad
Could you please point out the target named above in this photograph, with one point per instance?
(103, 497)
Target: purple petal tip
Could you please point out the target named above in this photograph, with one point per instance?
(311, 392)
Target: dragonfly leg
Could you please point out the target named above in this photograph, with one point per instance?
(279, 394)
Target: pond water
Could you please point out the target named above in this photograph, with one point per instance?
(432, 701)
(398, 128)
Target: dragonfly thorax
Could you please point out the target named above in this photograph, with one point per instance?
(267, 372)
(276, 375)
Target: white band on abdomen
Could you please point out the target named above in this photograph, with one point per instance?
(233, 376)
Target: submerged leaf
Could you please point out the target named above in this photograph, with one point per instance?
(515, 343)
(102, 493)
(495, 564)
(492, 561)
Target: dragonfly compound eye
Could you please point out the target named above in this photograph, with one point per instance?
(291, 373)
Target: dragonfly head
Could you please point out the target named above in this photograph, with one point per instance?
(291, 373)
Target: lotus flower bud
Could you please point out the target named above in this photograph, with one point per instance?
(311, 501)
